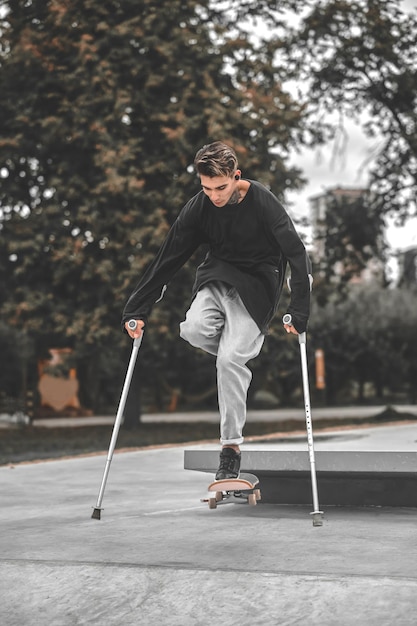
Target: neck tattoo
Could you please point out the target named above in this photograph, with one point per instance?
(235, 197)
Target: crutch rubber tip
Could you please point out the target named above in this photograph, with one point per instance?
(317, 517)
(96, 513)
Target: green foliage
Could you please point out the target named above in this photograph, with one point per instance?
(11, 376)
(371, 336)
(103, 105)
(358, 59)
(353, 238)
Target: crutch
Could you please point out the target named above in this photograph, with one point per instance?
(317, 515)
(136, 345)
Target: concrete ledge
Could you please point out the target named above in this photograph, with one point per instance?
(366, 478)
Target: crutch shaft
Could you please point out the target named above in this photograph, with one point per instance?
(117, 423)
(310, 439)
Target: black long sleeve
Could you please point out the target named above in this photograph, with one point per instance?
(249, 243)
(182, 240)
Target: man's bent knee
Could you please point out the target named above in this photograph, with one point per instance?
(192, 332)
(200, 336)
(187, 332)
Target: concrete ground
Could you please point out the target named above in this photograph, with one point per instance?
(159, 556)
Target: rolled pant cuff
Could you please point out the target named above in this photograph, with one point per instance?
(232, 442)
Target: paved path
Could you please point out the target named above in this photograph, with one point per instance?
(158, 557)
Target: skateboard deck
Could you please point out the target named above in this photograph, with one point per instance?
(242, 490)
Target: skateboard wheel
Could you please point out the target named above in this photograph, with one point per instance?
(252, 499)
(212, 503)
(257, 493)
(219, 496)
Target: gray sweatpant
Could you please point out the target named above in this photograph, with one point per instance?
(219, 323)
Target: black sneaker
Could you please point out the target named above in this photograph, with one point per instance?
(229, 464)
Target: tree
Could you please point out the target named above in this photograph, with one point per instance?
(103, 105)
(358, 59)
(370, 337)
(353, 243)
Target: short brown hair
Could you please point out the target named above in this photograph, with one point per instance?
(216, 159)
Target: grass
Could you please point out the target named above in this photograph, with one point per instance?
(34, 443)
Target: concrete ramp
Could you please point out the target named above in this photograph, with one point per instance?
(358, 478)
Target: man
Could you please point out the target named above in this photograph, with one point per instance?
(237, 287)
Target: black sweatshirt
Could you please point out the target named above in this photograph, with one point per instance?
(249, 244)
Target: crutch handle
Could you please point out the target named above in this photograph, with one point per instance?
(287, 319)
(132, 325)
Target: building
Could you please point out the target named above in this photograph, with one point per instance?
(407, 267)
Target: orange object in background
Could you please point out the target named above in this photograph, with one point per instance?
(58, 392)
(320, 369)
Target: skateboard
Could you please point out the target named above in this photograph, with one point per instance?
(242, 490)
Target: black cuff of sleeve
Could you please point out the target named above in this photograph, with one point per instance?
(299, 324)
(125, 319)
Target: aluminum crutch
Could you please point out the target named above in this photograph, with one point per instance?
(135, 349)
(317, 515)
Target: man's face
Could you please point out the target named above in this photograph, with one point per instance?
(219, 189)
